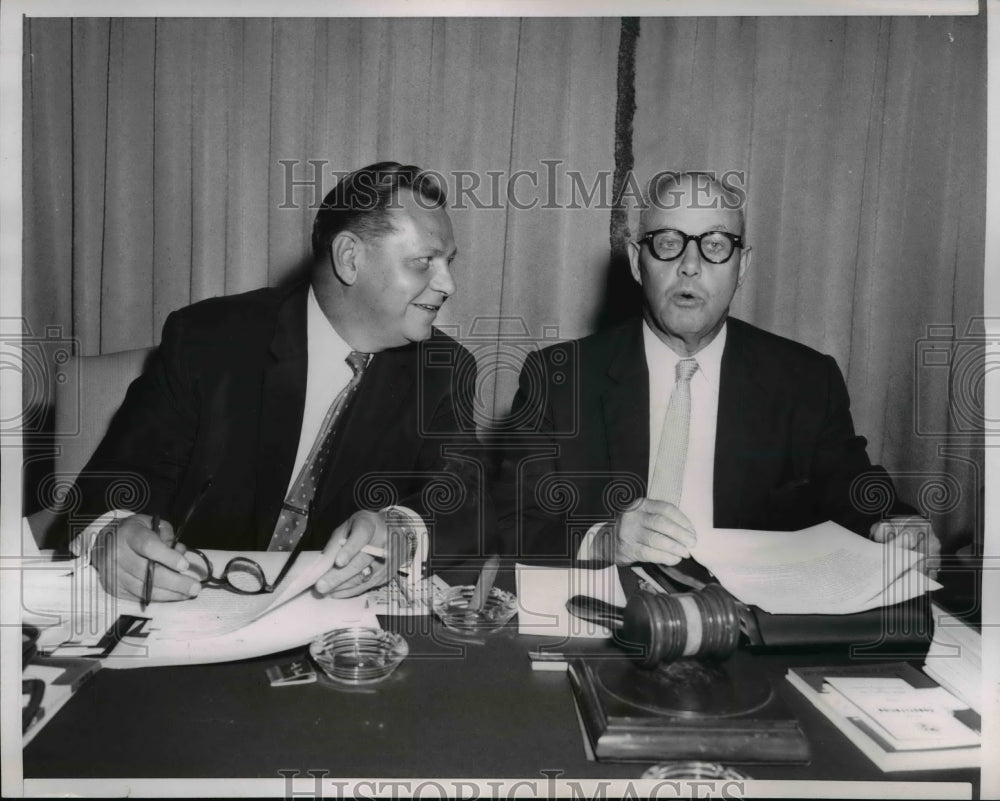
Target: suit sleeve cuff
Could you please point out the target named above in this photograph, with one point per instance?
(82, 544)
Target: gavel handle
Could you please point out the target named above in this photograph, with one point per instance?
(600, 612)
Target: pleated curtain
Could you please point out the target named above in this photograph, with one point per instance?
(861, 142)
(171, 160)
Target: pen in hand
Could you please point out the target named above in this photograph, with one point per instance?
(147, 585)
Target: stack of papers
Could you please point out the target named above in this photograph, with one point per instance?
(955, 658)
(823, 570)
(75, 615)
(896, 715)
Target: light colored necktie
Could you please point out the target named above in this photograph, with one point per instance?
(671, 456)
(294, 515)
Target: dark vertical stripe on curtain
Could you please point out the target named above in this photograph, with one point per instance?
(624, 115)
(510, 159)
(622, 297)
(496, 405)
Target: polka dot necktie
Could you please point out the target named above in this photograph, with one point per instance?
(294, 515)
(668, 473)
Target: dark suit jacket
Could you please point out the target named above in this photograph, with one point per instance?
(786, 455)
(223, 398)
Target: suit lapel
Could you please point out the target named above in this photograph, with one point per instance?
(626, 404)
(282, 403)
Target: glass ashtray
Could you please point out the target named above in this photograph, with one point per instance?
(452, 607)
(693, 770)
(358, 655)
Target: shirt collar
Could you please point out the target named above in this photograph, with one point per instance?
(709, 358)
(325, 345)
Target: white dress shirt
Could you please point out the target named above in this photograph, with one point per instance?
(699, 470)
(327, 375)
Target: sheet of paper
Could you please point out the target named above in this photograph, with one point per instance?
(542, 593)
(217, 626)
(824, 569)
(68, 605)
(909, 584)
(217, 611)
(73, 604)
(290, 625)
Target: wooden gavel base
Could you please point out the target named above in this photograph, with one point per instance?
(689, 709)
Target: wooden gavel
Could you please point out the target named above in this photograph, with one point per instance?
(668, 627)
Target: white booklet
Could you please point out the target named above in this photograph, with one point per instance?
(907, 718)
(824, 569)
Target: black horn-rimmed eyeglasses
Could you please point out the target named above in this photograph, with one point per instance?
(668, 244)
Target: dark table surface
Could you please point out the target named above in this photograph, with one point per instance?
(472, 710)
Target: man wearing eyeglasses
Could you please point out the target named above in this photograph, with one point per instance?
(686, 419)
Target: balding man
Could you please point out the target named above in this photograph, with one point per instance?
(685, 418)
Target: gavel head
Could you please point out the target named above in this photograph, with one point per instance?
(702, 624)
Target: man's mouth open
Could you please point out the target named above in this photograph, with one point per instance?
(683, 297)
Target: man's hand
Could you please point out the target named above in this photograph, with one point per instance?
(913, 533)
(354, 571)
(651, 531)
(123, 550)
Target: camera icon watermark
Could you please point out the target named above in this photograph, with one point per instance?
(958, 367)
(47, 365)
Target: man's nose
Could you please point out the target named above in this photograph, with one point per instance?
(691, 259)
(443, 281)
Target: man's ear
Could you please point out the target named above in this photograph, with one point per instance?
(345, 256)
(744, 266)
(633, 262)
